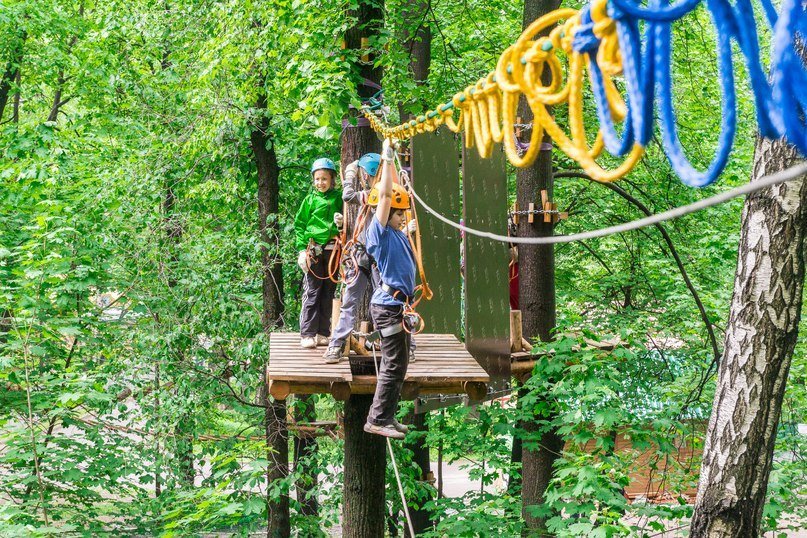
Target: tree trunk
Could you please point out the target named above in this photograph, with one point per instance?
(536, 296)
(364, 504)
(263, 149)
(417, 41)
(277, 448)
(11, 72)
(305, 450)
(277, 436)
(420, 456)
(359, 139)
(15, 114)
(760, 337)
(58, 102)
(363, 509)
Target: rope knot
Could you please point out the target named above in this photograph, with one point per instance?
(585, 41)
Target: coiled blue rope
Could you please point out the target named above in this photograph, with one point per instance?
(780, 95)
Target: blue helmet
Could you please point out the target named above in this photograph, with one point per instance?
(370, 162)
(323, 163)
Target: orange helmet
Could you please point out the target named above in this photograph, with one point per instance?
(400, 198)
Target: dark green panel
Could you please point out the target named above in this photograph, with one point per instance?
(487, 306)
(435, 174)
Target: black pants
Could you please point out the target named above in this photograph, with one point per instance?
(315, 312)
(394, 361)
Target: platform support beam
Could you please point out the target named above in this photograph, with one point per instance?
(340, 390)
(476, 390)
(279, 390)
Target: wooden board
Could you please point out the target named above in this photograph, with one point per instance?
(289, 362)
(436, 176)
(487, 307)
(442, 364)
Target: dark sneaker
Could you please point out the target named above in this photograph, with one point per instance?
(333, 354)
(386, 431)
(403, 428)
(411, 355)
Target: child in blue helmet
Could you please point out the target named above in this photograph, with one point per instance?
(356, 185)
(358, 179)
(316, 225)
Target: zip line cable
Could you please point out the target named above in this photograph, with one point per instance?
(789, 174)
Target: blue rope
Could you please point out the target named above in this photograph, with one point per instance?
(789, 75)
(780, 96)
(586, 42)
(669, 130)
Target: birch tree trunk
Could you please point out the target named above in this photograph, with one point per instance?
(760, 337)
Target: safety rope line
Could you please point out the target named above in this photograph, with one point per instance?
(394, 463)
(620, 38)
(332, 269)
(789, 174)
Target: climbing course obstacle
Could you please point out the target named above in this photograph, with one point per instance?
(621, 38)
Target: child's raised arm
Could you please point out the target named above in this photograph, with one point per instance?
(388, 174)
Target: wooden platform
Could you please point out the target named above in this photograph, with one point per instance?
(443, 366)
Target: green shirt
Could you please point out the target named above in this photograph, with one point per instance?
(314, 219)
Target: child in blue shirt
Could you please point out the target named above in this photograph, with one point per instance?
(389, 246)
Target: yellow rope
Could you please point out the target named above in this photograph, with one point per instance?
(485, 112)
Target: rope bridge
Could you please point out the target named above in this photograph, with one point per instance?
(620, 38)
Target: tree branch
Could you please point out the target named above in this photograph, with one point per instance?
(673, 251)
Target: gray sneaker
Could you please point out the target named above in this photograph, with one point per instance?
(333, 354)
(403, 428)
(387, 431)
(411, 355)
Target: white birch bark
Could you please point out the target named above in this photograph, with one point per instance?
(760, 337)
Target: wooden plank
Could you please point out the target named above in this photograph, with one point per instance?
(435, 174)
(444, 366)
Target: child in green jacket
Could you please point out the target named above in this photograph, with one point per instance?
(316, 225)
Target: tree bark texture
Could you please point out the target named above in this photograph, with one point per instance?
(760, 338)
(420, 456)
(263, 149)
(305, 451)
(417, 39)
(277, 449)
(277, 436)
(11, 72)
(359, 139)
(364, 503)
(536, 296)
(183, 445)
(363, 507)
(536, 263)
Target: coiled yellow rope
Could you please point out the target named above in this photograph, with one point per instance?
(486, 111)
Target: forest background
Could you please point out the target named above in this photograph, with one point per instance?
(132, 255)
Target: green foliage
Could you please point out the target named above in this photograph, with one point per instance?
(593, 399)
(131, 345)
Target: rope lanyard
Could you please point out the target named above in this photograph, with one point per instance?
(789, 174)
(611, 38)
(334, 261)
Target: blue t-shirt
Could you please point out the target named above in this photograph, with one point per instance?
(395, 260)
